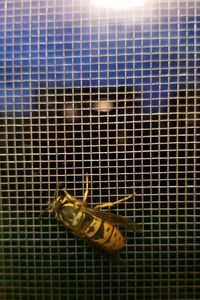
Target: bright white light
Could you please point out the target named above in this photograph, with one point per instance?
(118, 4)
(103, 105)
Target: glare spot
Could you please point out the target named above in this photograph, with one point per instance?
(103, 105)
(118, 4)
(71, 111)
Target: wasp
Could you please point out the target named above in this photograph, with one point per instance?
(99, 228)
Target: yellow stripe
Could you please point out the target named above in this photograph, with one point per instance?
(108, 228)
(77, 218)
(116, 241)
(68, 204)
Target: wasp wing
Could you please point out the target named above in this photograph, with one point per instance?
(115, 219)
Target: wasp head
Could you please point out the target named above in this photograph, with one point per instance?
(54, 204)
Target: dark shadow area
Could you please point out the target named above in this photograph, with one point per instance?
(84, 131)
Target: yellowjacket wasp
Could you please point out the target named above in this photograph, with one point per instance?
(94, 225)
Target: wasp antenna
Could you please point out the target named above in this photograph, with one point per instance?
(43, 213)
(59, 186)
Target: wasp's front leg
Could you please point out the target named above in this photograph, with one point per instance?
(86, 189)
(110, 204)
(68, 196)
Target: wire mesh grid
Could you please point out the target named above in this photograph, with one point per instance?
(115, 94)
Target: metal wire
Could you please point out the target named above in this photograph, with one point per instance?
(111, 93)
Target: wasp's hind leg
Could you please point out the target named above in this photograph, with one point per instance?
(110, 204)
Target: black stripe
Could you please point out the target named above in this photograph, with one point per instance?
(100, 234)
(108, 240)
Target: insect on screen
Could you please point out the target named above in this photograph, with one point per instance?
(112, 92)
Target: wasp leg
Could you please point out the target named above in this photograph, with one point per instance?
(67, 194)
(86, 189)
(109, 204)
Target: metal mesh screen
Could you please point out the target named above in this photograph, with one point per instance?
(116, 94)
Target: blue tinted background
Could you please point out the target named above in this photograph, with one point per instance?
(68, 44)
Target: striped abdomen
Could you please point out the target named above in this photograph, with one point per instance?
(95, 230)
(105, 234)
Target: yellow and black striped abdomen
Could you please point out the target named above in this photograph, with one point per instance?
(95, 230)
(104, 234)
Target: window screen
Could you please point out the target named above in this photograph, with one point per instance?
(113, 93)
